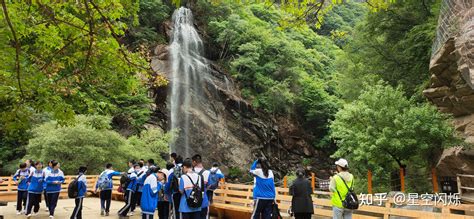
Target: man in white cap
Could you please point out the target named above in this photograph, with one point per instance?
(339, 189)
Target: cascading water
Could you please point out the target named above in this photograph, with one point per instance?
(188, 71)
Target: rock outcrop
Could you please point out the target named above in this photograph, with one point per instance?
(452, 82)
(229, 130)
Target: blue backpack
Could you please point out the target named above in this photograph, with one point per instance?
(104, 181)
(213, 180)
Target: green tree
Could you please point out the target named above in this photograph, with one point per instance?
(382, 124)
(90, 141)
(64, 58)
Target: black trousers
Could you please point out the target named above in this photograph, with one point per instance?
(191, 215)
(129, 202)
(21, 200)
(210, 195)
(205, 213)
(163, 210)
(138, 197)
(176, 199)
(53, 201)
(105, 199)
(147, 216)
(46, 200)
(303, 215)
(33, 200)
(262, 209)
(77, 213)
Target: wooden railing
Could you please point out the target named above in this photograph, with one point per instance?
(8, 188)
(235, 201)
(466, 189)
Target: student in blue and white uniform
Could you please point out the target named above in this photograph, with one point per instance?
(21, 180)
(215, 177)
(35, 188)
(53, 179)
(164, 200)
(105, 186)
(130, 199)
(149, 198)
(264, 189)
(204, 174)
(171, 190)
(141, 176)
(30, 164)
(81, 193)
(46, 170)
(185, 187)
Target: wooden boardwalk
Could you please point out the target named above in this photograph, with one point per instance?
(91, 209)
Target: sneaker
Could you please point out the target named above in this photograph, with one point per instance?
(47, 209)
(35, 213)
(18, 212)
(102, 211)
(106, 213)
(131, 213)
(29, 216)
(51, 217)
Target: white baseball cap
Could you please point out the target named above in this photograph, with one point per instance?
(342, 163)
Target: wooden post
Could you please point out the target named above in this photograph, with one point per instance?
(458, 179)
(313, 181)
(434, 179)
(285, 182)
(369, 182)
(402, 179)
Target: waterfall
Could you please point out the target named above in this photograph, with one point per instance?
(188, 71)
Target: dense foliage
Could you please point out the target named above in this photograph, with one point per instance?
(62, 59)
(92, 142)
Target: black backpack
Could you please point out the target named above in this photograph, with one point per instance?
(194, 200)
(124, 181)
(351, 201)
(276, 211)
(177, 173)
(73, 188)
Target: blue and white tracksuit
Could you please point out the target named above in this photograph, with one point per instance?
(106, 192)
(21, 177)
(81, 193)
(52, 188)
(149, 199)
(35, 189)
(263, 192)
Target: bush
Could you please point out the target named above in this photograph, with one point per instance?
(91, 142)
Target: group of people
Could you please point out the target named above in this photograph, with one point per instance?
(182, 190)
(33, 181)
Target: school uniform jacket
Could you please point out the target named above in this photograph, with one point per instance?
(36, 180)
(81, 186)
(264, 187)
(149, 199)
(22, 183)
(50, 178)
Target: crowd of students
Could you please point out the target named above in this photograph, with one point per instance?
(181, 190)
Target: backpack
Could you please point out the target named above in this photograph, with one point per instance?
(276, 211)
(177, 173)
(73, 188)
(350, 201)
(194, 200)
(213, 180)
(124, 181)
(104, 181)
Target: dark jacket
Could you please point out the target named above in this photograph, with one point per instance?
(301, 191)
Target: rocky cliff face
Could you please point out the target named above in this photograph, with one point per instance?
(228, 129)
(452, 82)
